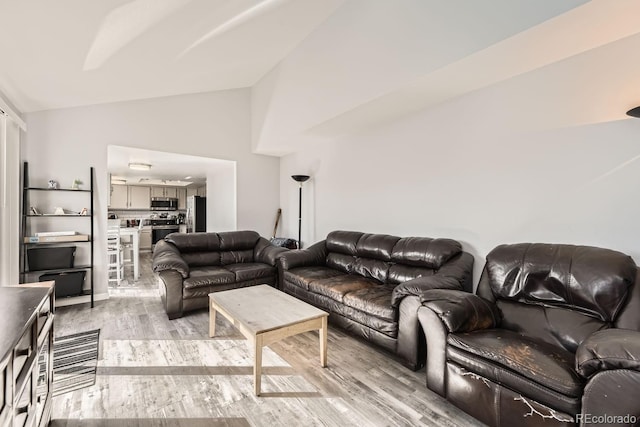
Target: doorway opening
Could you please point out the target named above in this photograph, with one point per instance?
(152, 194)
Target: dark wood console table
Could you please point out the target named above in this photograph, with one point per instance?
(26, 354)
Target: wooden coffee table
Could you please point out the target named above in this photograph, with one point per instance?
(265, 315)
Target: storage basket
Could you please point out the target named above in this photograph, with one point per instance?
(51, 258)
(68, 284)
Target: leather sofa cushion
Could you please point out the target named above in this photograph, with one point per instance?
(196, 259)
(341, 262)
(207, 242)
(424, 251)
(236, 257)
(208, 276)
(369, 325)
(343, 242)
(372, 269)
(194, 298)
(302, 276)
(592, 280)
(194, 242)
(337, 287)
(509, 358)
(376, 246)
(251, 271)
(399, 273)
(238, 240)
(387, 258)
(375, 300)
(555, 325)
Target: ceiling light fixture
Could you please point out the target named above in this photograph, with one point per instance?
(187, 177)
(634, 112)
(139, 166)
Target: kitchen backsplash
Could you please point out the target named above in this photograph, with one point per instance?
(124, 215)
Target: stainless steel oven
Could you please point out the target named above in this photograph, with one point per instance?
(164, 204)
(160, 228)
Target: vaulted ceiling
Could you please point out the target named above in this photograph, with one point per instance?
(322, 68)
(66, 53)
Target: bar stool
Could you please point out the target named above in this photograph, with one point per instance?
(128, 249)
(114, 252)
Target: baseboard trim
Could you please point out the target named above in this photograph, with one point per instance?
(82, 299)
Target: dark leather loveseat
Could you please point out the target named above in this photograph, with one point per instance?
(192, 265)
(551, 338)
(369, 284)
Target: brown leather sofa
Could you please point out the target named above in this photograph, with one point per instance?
(369, 284)
(190, 266)
(551, 338)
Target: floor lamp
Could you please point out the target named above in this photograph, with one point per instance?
(300, 179)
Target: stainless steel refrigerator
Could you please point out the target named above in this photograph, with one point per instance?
(196, 214)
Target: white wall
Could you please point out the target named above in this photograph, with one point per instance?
(62, 144)
(221, 198)
(9, 201)
(464, 170)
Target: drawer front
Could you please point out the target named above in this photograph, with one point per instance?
(5, 392)
(43, 372)
(44, 314)
(23, 350)
(24, 405)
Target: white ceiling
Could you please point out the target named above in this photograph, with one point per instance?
(322, 68)
(595, 25)
(164, 167)
(64, 53)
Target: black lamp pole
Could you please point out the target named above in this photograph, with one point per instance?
(300, 179)
(634, 112)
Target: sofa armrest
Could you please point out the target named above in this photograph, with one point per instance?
(167, 257)
(418, 286)
(314, 255)
(171, 292)
(459, 267)
(460, 311)
(266, 253)
(608, 349)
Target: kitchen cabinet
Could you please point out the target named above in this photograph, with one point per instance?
(164, 192)
(197, 191)
(182, 198)
(157, 192)
(119, 197)
(130, 197)
(145, 238)
(139, 197)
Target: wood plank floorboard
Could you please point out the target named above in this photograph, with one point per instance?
(158, 372)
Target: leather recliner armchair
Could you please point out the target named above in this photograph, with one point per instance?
(552, 337)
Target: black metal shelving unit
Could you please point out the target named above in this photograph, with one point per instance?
(27, 216)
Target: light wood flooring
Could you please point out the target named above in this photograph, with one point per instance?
(158, 372)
